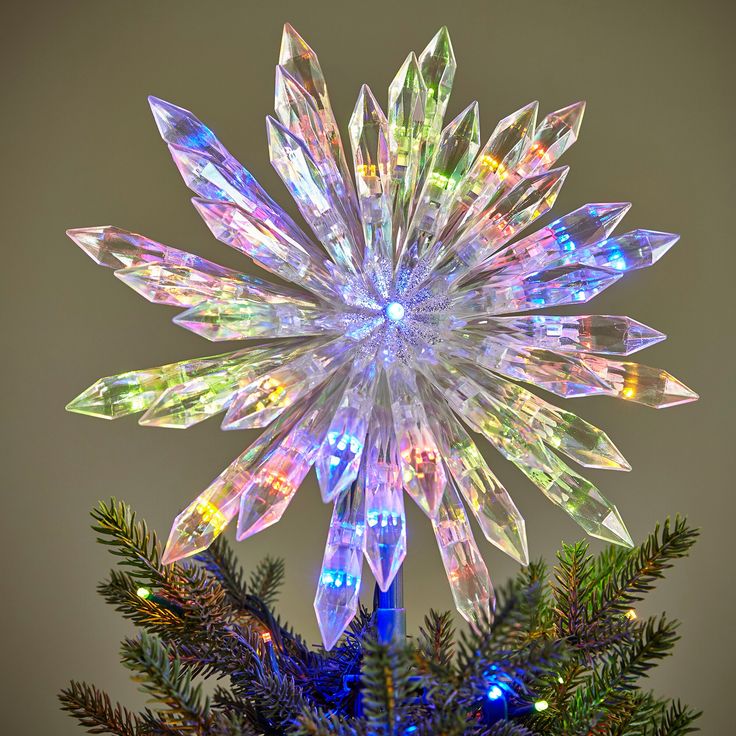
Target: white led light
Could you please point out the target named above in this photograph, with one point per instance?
(395, 311)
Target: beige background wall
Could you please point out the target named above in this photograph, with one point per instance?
(80, 148)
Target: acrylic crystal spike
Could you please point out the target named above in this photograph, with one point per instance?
(400, 330)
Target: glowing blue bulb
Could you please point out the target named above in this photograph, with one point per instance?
(395, 311)
(495, 693)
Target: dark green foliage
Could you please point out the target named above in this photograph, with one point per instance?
(563, 637)
(95, 712)
(267, 579)
(436, 643)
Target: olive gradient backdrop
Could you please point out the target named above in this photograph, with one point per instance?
(81, 149)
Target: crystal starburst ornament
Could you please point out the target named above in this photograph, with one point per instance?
(412, 325)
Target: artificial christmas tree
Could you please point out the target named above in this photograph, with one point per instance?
(564, 656)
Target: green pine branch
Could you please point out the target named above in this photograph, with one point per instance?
(219, 560)
(676, 720)
(130, 540)
(315, 722)
(570, 589)
(606, 687)
(436, 642)
(95, 711)
(386, 686)
(163, 676)
(625, 576)
(267, 579)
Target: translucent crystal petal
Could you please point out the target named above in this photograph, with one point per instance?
(134, 391)
(269, 248)
(209, 169)
(421, 463)
(504, 219)
(467, 573)
(271, 489)
(205, 518)
(240, 319)
(437, 64)
(454, 153)
(339, 457)
(182, 286)
(641, 384)
(177, 286)
(338, 588)
(559, 429)
(562, 374)
(179, 127)
(501, 154)
(195, 528)
(486, 415)
(120, 395)
(407, 101)
(183, 405)
(573, 284)
(385, 541)
(553, 136)
(579, 498)
(296, 110)
(115, 248)
(612, 335)
(385, 534)
(274, 481)
(628, 252)
(496, 513)
(300, 61)
(312, 194)
(581, 441)
(262, 400)
(371, 155)
(562, 239)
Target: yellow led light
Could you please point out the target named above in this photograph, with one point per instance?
(210, 514)
(628, 392)
(366, 170)
(266, 637)
(272, 392)
(631, 614)
(489, 162)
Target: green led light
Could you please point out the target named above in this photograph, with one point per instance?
(143, 593)
(541, 705)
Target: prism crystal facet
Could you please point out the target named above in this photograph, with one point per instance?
(400, 334)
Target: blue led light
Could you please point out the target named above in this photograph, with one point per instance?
(337, 579)
(395, 311)
(495, 693)
(615, 259)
